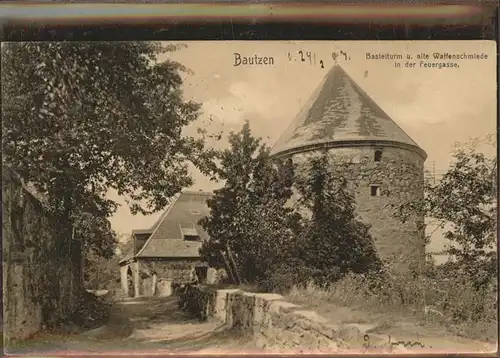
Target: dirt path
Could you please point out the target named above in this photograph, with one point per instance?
(143, 325)
(158, 326)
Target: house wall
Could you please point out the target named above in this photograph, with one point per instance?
(155, 277)
(400, 175)
(166, 271)
(38, 271)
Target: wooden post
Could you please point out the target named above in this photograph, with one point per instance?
(135, 272)
(153, 289)
(124, 279)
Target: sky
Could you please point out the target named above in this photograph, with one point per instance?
(435, 107)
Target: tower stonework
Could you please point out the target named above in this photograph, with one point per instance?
(383, 166)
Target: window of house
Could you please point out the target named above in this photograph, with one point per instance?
(378, 155)
(190, 233)
(375, 190)
(191, 237)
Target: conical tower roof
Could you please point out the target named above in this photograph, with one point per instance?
(340, 113)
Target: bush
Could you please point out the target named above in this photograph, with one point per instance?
(436, 296)
(92, 312)
(286, 276)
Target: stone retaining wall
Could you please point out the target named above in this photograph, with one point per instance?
(275, 323)
(39, 285)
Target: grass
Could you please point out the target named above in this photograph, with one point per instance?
(342, 307)
(349, 301)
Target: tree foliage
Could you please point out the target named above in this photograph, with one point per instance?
(272, 240)
(100, 272)
(125, 245)
(81, 118)
(97, 235)
(249, 220)
(464, 204)
(466, 197)
(333, 241)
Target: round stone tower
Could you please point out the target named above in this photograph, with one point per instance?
(383, 166)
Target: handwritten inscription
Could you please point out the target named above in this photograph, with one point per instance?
(311, 59)
(254, 60)
(391, 344)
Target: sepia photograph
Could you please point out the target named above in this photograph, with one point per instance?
(230, 197)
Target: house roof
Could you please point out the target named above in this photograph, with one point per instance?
(144, 231)
(167, 238)
(339, 111)
(127, 257)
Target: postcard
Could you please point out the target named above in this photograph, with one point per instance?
(249, 197)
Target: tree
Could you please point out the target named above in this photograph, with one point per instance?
(81, 118)
(464, 206)
(333, 242)
(99, 256)
(125, 245)
(249, 221)
(100, 272)
(97, 235)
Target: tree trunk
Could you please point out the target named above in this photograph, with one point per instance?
(78, 259)
(233, 263)
(82, 262)
(97, 285)
(228, 267)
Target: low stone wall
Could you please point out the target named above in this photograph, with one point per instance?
(275, 323)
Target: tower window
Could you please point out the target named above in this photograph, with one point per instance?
(374, 190)
(378, 155)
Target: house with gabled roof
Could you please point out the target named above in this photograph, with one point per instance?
(169, 250)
